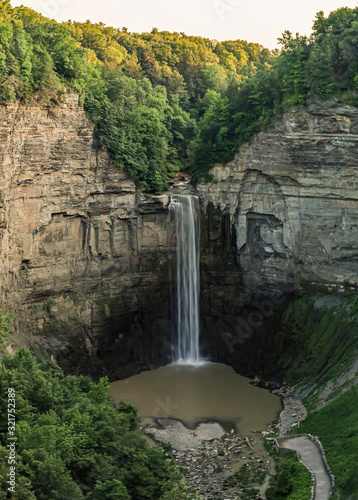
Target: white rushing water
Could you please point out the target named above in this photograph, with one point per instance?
(185, 209)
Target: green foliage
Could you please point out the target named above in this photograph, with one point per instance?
(5, 327)
(144, 91)
(292, 480)
(72, 443)
(249, 493)
(134, 125)
(324, 65)
(336, 425)
(113, 489)
(165, 101)
(22, 485)
(231, 118)
(318, 340)
(247, 475)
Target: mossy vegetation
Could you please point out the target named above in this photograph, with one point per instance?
(321, 339)
(6, 331)
(323, 335)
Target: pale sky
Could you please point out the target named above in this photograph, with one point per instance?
(259, 21)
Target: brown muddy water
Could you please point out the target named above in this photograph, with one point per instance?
(209, 392)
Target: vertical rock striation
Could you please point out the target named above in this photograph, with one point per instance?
(84, 255)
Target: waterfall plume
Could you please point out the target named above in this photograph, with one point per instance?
(185, 209)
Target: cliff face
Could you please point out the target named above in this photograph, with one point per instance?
(292, 199)
(287, 207)
(84, 255)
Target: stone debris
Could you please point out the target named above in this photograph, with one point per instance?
(173, 432)
(208, 459)
(293, 411)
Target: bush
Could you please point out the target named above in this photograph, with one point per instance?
(292, 481)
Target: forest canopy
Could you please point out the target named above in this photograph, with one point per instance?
(163, 102)
(72, 443)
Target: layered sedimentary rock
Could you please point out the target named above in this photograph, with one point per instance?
(287, 207)
(292, 199)
(84, 255)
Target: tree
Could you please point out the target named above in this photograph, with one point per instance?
(21, 48)
(72, 441)
(321, 79)
(292, 68)
(109, 490)
(6, 331)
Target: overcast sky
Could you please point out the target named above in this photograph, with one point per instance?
(252, 20)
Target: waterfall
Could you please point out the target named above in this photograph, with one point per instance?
(185, 209)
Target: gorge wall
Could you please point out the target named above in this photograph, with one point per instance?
(288, 209)
(85, 255)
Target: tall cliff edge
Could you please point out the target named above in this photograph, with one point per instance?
(292, 199)
(84, 255)
(281, 219)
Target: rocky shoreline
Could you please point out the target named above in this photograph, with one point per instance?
(221, 465)
(213, 461)
(293, 411)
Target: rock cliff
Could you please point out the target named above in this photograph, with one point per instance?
(287, 206)
(292, 199)
(84, 255)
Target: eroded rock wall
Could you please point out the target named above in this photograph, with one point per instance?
(84, 255)
(288, 203)
(293, 200)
